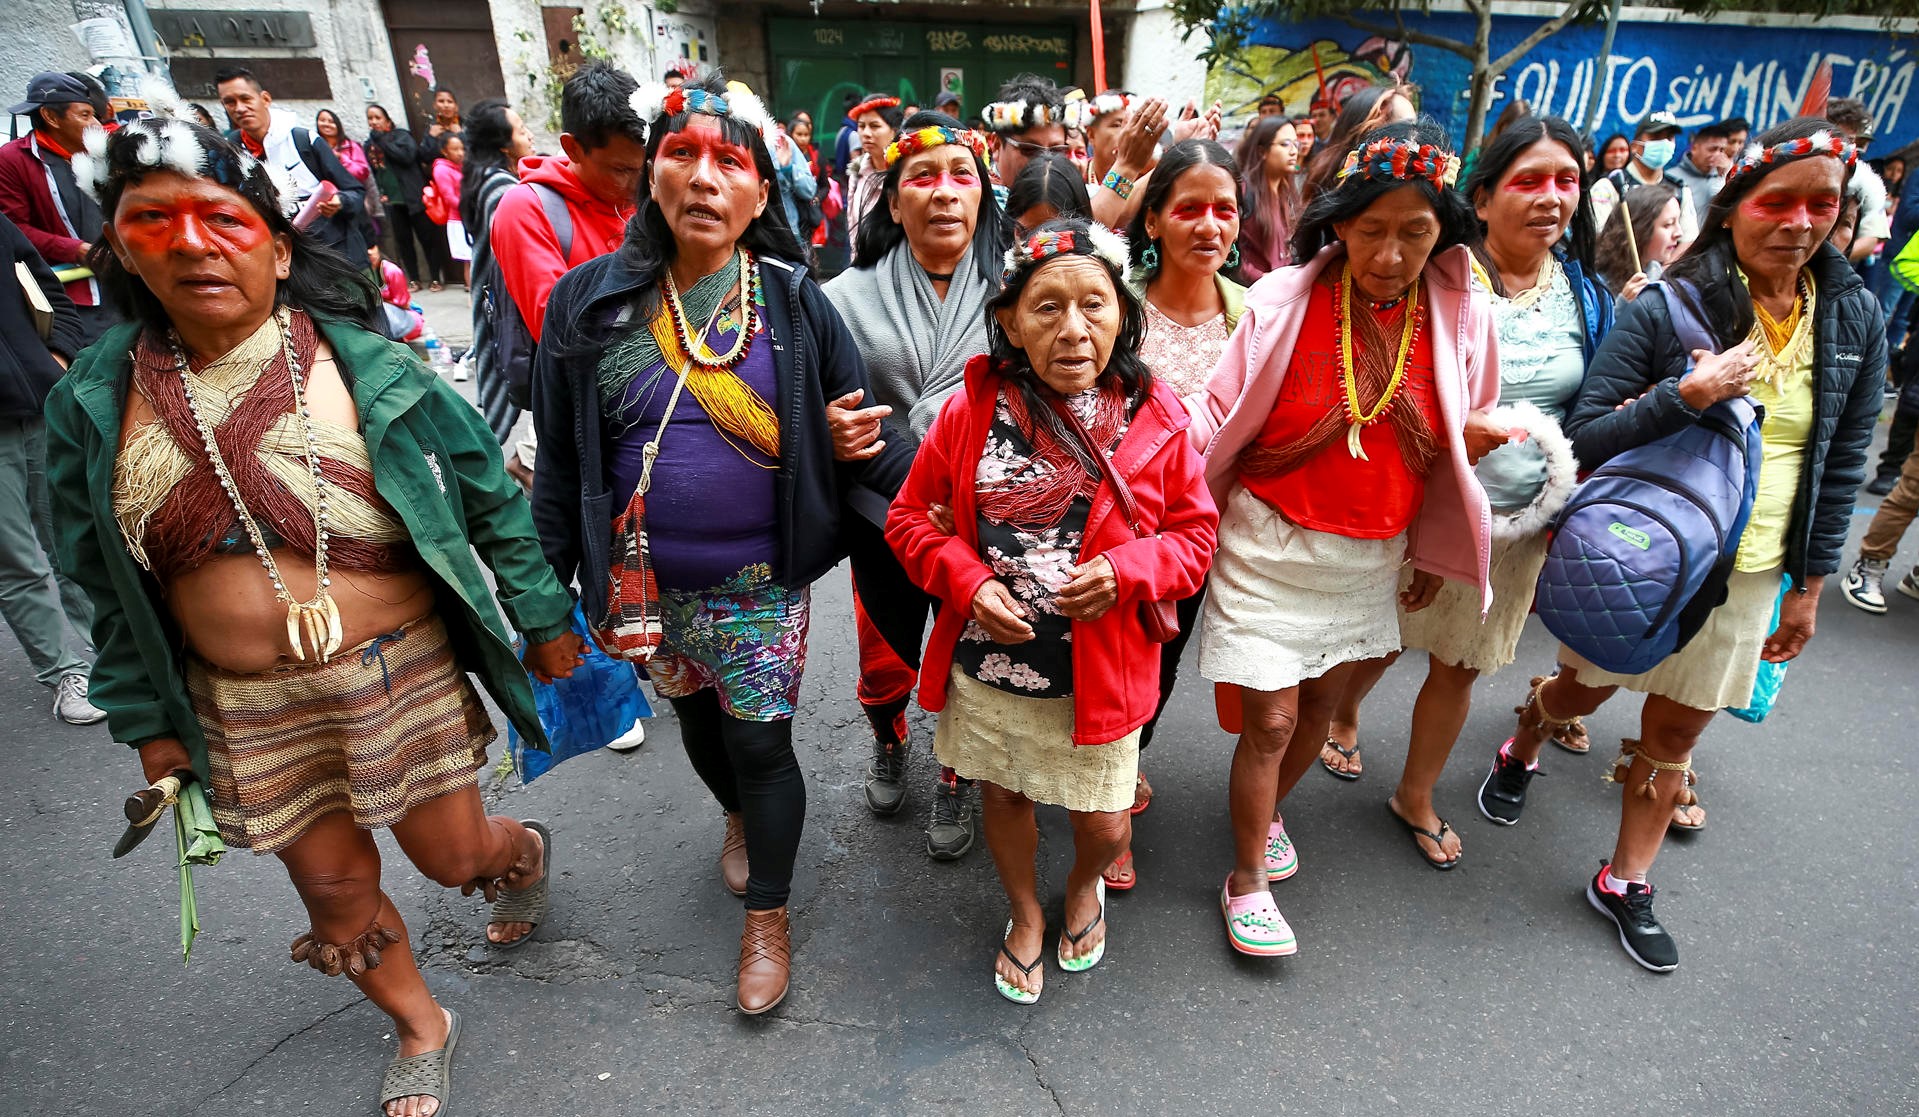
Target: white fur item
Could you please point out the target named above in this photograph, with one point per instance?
(1107, 245)
(1562, 471)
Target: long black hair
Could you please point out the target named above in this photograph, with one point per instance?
(1612, 256)
(649, 246)
(1124, 366)
(1174, 162)
(1329, 151)
(1347, 198)
(1047, 180)
(319, 280)
(489, 133)
(337, 123)
(879, 234)
(1709, 268)
(1497, 157)
(1265, 221)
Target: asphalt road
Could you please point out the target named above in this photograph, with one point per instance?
(1489, 989)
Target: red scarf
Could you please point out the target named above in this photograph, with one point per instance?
(257, 147)
(52, 145)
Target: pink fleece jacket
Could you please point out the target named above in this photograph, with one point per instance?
(1451, 535)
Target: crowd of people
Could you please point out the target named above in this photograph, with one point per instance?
(1074, 378)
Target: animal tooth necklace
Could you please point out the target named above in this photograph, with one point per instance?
(1357, 417)
(316, 621)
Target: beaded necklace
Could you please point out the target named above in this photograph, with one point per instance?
(317, 620)
(697, 352)
(1357, 417)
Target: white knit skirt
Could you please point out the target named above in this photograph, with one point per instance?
(1026, 745)
(1450, 628)
(1717, 669)
(1285, 603)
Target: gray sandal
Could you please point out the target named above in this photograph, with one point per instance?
(426, 1075)
(527, 905)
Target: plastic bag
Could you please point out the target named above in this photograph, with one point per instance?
(581, 714)
(1772, 676)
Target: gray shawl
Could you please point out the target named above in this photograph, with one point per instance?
(915, 345)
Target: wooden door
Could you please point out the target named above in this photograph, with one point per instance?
(458, 36)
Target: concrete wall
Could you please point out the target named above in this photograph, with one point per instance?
(1157, 61)
(34, 37)
(350, 38)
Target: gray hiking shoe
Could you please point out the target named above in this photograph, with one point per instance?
(70, 701)
(950, 833)
(886, 777)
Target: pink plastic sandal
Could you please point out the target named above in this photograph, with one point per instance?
(1254, 925)
(1282, 860)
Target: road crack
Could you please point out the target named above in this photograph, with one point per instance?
(284, 1040)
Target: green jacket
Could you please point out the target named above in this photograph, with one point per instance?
(1230, 293)
(434, 461)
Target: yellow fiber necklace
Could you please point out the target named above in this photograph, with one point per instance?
(1357, 417)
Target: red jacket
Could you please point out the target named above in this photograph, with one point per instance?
(27, 199)
(525, 245)
(1115, 668)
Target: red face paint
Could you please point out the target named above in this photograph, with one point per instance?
(933, 180)
(708, 145)
(1223, 212)
(156, 226)
(1565, 184)
(1786, 208)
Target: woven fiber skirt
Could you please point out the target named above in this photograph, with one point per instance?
(1285, 603)
(1450, 628)
(1718, 667)
(1026, 745)
(376, 731)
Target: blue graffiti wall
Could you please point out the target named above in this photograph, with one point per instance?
(1700, 72)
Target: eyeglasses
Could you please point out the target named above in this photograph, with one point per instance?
(1291, 145)
(1031, 149)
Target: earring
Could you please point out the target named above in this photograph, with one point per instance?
(1149, 259)
(1232, 258)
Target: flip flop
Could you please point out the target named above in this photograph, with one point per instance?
(527, 905)
(1117, 884)
(1006, 988)
(1437, 837)
(1347, 753)
(1142, 794)
(426, 1075)
(1085, 961)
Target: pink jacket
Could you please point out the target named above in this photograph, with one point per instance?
(1452, 533)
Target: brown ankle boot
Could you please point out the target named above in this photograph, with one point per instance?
(766, 959)
(733, 855)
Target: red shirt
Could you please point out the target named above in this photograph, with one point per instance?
(1332, 491)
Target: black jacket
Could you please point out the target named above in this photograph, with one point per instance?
(815, 360)
(27, 368)
(1643, 357)
(402, 154)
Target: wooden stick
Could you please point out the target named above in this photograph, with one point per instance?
(1632, 242)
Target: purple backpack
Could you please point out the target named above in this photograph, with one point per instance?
(1640, 555)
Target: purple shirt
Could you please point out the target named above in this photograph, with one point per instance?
(709, 511)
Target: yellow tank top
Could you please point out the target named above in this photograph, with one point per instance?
(1785, 388)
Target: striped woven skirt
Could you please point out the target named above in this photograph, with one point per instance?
(376, 731)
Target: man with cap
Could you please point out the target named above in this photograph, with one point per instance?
(1654, 143)
(948, 102)
(39, 193)
(340, 224)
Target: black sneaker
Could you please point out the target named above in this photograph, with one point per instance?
(1639, 932)
(1882, 484)
(1503, 794)
(886, 775)
(950, 833)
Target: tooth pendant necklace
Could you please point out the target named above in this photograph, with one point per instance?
(313, 624)
(1357, 417)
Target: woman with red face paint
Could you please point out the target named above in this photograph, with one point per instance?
(926, 261)
(275, 512)
(1799, 333)
(877, 122)
(1184, 241)
(1550, 316)
(1340, 427)
(688, 477)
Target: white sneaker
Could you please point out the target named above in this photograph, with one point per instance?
(631, 739)
(70, 701)
(460, 371)
(1909, 585)
(1865, 585)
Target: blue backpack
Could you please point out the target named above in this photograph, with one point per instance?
(1640, 555)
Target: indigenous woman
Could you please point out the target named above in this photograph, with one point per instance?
(680, 400)
(1639, 240)
(1076, 502)
(1103, 119)
(1269, 195)
(1800, 334)
(1048, 186)
(1184, 239)
(274, 511)
(1550, 316)
(1614, 153)
(326, 123)
(877, 122)
(1338, 445)
(925, 264)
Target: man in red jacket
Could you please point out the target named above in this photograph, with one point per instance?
(39, 193)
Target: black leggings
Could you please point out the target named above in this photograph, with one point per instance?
(750, 768)
(1169, 656)
(409, 223)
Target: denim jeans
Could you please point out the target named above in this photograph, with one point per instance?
(37, 612)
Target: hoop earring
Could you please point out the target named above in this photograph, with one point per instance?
(1232, 258)
(1149, 259)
